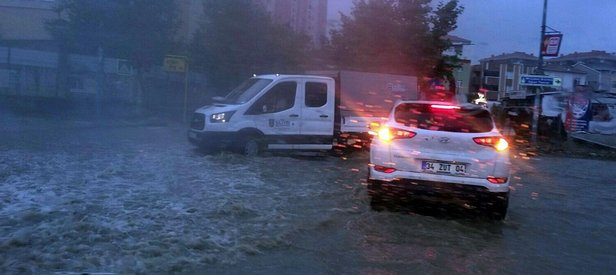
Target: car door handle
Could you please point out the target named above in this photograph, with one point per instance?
(323, 116)
(294, 115)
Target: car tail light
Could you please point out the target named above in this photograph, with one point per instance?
(373, 128)
(497, 180)
(384, 169)
(499, 143)
(388, 134)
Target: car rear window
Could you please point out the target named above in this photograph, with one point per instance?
(429, 117)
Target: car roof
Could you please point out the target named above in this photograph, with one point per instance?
(446, 103)
(285, 76)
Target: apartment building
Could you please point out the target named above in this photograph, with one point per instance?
(502, 72)
(306, 16)
(190, 15)
(599, 66)
(22, 23)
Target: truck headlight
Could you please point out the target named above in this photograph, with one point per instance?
(221, 117)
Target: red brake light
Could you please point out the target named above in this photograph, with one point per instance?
(444, 107)
(498, 143)
(384, 169)
(497, 180)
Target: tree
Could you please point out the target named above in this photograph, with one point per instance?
(141, 31)
(237, 38)
(399, 36)
(443, 21)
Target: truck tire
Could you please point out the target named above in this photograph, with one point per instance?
(250, 146)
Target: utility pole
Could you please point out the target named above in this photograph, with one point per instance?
(100, 82)
(537, 103)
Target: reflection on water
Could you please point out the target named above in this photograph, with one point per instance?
(141, 200)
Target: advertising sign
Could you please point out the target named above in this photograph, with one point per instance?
(551, 44)
(578, 111)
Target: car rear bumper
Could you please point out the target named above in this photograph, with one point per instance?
(424, 181)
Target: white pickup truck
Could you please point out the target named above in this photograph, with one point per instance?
(318, 111)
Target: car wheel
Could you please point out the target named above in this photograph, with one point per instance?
(497, 205)
(376, 195)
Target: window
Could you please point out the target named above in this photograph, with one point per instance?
(279, 98)
(316, 94)
(246, 91)
(422, 116)
(576, 81)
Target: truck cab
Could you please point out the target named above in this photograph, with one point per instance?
(269, 112)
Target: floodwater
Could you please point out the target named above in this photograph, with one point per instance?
(124, 198)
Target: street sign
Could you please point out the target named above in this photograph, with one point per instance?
(124, 67)
(174, 63)
(540, 80)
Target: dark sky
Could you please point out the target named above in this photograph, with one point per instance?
(504, 26)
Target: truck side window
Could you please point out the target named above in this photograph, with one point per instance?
(316, 94)
(279, 98)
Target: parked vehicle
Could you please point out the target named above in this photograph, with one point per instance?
(441, 150)
(309, 112)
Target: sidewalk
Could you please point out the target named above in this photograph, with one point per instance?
(600, 139)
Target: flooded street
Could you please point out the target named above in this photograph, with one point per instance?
(125, 198)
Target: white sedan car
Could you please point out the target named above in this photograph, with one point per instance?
(440, 150)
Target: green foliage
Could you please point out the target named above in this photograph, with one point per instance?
(400, 36)
(237, 38)
(139, 30)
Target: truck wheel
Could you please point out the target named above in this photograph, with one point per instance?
(250, 146)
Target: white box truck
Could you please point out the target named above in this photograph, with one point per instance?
(317, 111)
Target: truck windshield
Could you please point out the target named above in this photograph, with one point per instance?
(246, 91)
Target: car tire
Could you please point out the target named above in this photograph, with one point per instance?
(376, 195)
(497, 205)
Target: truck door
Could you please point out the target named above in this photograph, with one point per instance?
(317, 115)
(276, 113)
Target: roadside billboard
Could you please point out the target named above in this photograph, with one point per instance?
(578, 111)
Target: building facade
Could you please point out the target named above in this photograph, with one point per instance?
(22, 23)
(462, 74)
(600, 67)
(189, 13)
(305, 16)
(502, 72)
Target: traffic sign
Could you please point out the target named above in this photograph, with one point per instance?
(540, 80)
(174, 63)
(124, 67)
